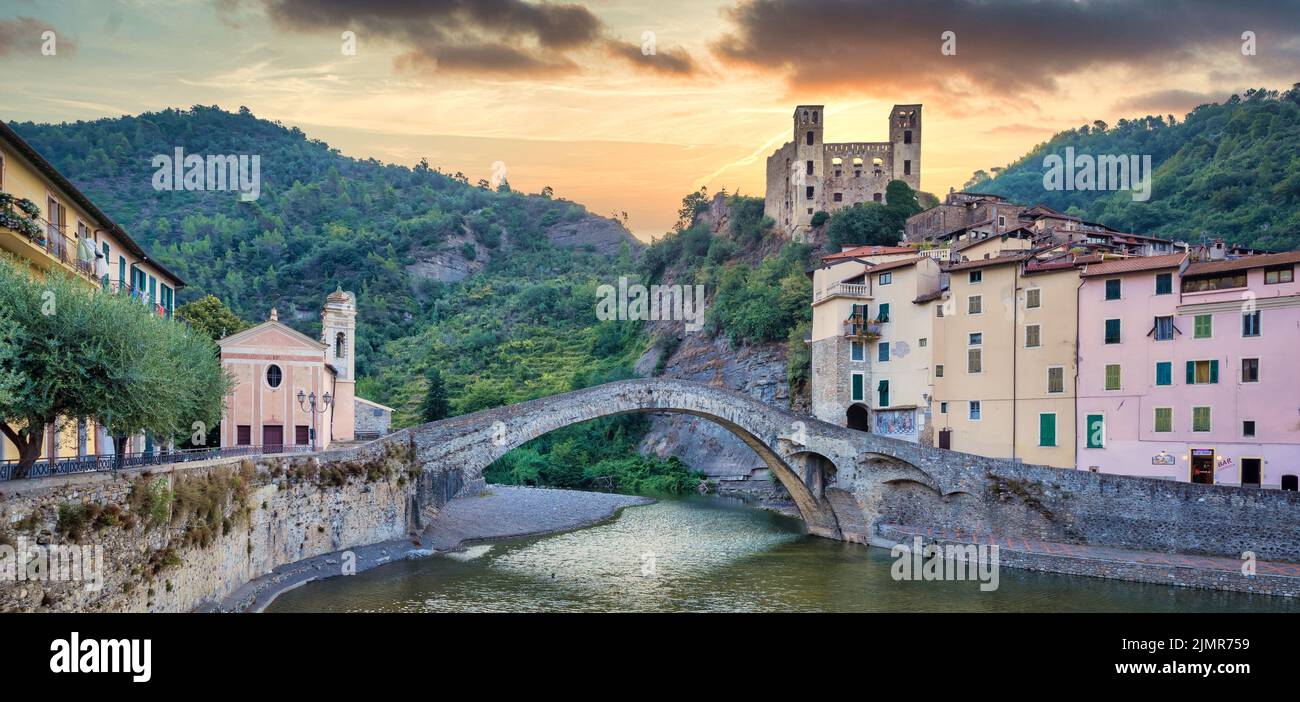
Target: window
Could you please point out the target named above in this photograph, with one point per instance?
(1095, 428)
(857, 351)
(974, 410)
(1202, 372)
(975, 305)
(274, 376)
(1248, 427)
(1272, 276)
(907, 136)
(976, 338)
(882, 315)
(857, 387)
(922, 342)
(976, 277)
(1164, 419)
(1164, 373)
(975, 360)
(1164, 283)
(301, 434)
(2, 171)
(1112, 289)
(1112, 376)
(1002, 221)
(907, 167)
(1250, 370)
(340, 345)
(883, 389)
(882, 354)
(1033, 298)
(1047, 429)
(938, 370)
(839, 197)
(886, 278)
(808, 192)
(1164, 328)
(810, 168)
(1033, 336)
(1250, 323)
(1112, 331)
(244, 435)
(810, 138)
(1200, 419)
(943, 408)
(877, 197)
(1226, 282)
(1056, 379)
(1204, 326)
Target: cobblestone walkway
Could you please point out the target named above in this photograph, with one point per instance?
(1103, 553)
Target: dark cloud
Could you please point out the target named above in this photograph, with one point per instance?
(1171, 101)
(508, 38)
(673, 61)
(1008, 46)
(21, 36)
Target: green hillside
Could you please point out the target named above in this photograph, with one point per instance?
(1230, 170)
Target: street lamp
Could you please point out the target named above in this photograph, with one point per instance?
(307, 402)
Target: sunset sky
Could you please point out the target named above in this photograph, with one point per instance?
(565, 97)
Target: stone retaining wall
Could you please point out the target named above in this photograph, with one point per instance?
(174, 537)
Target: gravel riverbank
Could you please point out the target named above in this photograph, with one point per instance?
(499, 513)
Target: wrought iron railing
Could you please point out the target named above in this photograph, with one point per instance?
(106, 462)
(859, 327)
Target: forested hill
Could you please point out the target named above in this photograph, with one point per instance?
(399, 237)
(1230, 170)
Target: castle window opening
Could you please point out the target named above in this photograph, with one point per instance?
(810, 168)
(809, 191)
(876, 197)
(810, 138)
(907, 136)
(907, 167)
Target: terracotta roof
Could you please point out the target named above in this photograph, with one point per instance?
(891, 265)
(928, 297)
(1133, 265)
(984, 262)
(858, 251)
(1244, 263)
(45, 167)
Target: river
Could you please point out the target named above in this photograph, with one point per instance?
(718, 554)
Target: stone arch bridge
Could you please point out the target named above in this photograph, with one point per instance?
(848, 483)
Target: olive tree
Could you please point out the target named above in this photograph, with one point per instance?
(75, 351)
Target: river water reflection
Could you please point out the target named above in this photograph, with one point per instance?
(717, 554)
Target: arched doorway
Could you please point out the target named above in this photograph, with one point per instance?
(857, 417)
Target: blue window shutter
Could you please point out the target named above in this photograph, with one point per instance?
(1214, 371)
(1164, 373)
(1191, 372)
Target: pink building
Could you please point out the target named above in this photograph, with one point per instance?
(277, 370)
(1187, 371)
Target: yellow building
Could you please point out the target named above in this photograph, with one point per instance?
(1004, 360)
(68, 232)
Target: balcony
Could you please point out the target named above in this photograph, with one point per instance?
(854, 290)
(50, 238)
(859, 328)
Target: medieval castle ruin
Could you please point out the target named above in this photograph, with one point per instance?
(806, 175)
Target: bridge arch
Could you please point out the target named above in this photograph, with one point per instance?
(472, 442)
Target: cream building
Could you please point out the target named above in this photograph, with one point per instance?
(1004, 360)
(870, 342)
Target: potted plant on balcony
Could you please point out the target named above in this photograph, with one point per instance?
(23, 220)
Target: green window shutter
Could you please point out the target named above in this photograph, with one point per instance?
(883, 388)
(884, 312)
(1191, 372)
(1112, 289)
(1164, 419)
(1214, 371)
(1112, 331)
(1113, 376)
(857, 388)
(1046, 430)
(1096, 427)
(1164, 373)
(1164, 283)
(884, 351)
(1204, 326)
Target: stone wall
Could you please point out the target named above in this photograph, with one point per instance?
(174, 537)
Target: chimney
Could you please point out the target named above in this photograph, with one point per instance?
(275, 316)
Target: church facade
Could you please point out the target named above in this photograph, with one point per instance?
(277, 370)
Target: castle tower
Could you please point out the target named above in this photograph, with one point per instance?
(806, 172)
(338, 332)
(905, 138)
